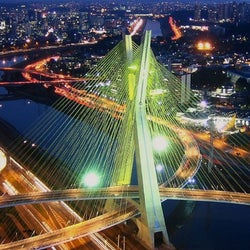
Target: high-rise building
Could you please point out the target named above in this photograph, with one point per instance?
(197, 12)
(185, 87)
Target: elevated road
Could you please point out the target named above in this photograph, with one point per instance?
(120, 192)
(40, 194)
(72, 232)
(106, 220)
(49, 82)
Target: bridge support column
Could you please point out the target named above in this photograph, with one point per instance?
(152, 222)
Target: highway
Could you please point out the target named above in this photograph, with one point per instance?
(43, 218)
(49, 217)
(72, 232)
(109, 219)
(121, 192)
(21, 187)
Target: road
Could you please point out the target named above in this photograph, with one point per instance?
(42, 218)
(72, 232)
(45, 210)
(220, 144)
(131, 192)
(46, 218)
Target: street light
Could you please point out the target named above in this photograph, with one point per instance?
(159, 167)
(160, 143)
(91, 179)
(203, 104)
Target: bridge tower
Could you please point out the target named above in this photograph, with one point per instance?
(152, 223)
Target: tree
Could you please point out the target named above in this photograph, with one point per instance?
(242, 85)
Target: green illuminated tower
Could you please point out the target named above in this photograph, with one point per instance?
(152, 221)
(137, 142)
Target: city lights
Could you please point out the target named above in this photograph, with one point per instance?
(204, 45)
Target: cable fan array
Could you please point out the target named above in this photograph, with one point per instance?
(86, 139)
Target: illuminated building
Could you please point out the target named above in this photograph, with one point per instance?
(204, 45)
(197, 12)
(185, 87)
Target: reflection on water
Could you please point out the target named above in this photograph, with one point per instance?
(10, 61)
(213, 226)
(20, 113)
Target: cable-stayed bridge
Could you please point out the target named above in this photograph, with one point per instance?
(120, 120)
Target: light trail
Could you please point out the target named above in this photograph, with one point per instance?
(136, 26)
(111, 218)
(132, 192)
(175, 29)
(72, 232)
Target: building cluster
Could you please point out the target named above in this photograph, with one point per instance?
(193, 37)
(42, 23)
(224, 12)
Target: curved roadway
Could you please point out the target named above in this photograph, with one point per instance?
(121, 192)
(106, 220)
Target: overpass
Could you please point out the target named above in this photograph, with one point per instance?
(132, 192)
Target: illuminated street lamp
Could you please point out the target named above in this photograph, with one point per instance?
(160, 143)
(159, 167)
(91, 179)
(203, 104)
(204, 46)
